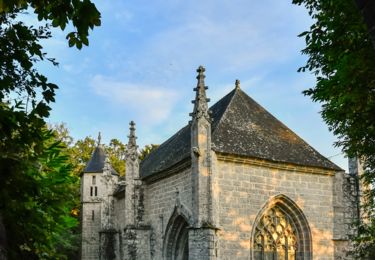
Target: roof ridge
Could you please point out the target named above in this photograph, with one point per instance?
(234, 91)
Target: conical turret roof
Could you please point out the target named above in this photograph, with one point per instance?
(97, 161)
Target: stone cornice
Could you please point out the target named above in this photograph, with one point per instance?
(273, 165)
(92, 201)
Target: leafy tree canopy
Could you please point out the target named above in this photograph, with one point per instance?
(83, 15)
(26, 94)
(147, 150)
(39, 200)
(36, 185)
(342, 58)
(80, 151)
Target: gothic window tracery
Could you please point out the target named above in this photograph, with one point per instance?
(276, 237)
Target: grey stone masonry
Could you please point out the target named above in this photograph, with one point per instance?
(233, 184)
(136, 243)
(201, 155)
(131, 178)
(136, 236)
(164, 198)
(203, 243)
(109, 245)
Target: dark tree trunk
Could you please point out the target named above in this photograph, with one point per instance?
(3, 240)
(367, 8)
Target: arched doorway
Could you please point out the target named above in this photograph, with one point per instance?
(176, 242)
(281, 232)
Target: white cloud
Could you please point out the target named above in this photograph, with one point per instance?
(151, 104)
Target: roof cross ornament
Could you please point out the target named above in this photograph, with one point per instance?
(237, 84)
(200, 102)
(99, 138)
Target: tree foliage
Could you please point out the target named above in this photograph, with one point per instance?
(80, 151)
(342, 58)
(147, 150)
(38, 202)
(35, 183)
(82, 14)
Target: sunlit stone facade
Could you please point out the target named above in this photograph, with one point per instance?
(235, 183)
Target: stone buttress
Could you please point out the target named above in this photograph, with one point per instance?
(108, 235)
(202, 235)
(136, 233)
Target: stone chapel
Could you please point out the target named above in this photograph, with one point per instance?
(234, 183)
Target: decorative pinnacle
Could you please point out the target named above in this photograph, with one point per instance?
(99, 138)
(238, 83)
(201, 75)
(132, 137)
(200, 102)
(131, 148)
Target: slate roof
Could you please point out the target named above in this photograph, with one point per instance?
(240, 126)
(96, 163)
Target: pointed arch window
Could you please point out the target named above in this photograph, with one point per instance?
(275, 237)
(282, 233)
(176, 239)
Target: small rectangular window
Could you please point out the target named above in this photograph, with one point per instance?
(96, 191)
(91, 189)
(92, 215)
(93, 180)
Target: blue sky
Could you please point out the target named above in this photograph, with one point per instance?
(141, 64)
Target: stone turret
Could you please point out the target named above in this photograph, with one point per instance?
(97, 184)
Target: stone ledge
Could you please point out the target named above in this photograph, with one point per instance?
(141, 227)
(274, 165)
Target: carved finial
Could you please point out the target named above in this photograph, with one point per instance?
(107, 166)
(200, 102)
(99, 138)
(238, 83)
(201, 75)
(132, 144)
(132, 136)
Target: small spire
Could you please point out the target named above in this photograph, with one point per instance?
(200, 102)
(238, 83)
(132, 137)
(99, 138)
(201, 76)
(132, 144)
(107, 166)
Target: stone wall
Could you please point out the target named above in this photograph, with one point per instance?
(119, 212)
(346, 213)
(161, 199)
(91, 215)
(203, 244)
(246, 187)
(90, 231)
